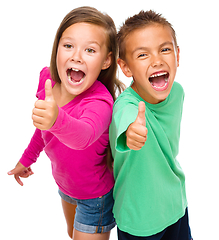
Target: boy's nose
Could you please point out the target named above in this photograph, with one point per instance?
(156, 61)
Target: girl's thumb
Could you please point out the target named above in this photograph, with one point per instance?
(48, 90)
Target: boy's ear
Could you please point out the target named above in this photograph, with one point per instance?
(107, 61)
(123, 65)
(177, 55)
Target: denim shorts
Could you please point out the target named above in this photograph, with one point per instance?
(93, 215)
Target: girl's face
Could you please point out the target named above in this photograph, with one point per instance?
(82, 54)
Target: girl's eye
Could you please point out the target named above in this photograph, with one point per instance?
(68, 46)
(90, 50)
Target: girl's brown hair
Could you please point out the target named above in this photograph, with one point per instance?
(92, 16)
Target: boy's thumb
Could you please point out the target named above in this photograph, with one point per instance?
(141, 114)
(48, 90)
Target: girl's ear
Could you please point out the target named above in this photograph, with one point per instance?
(123, 65)
(107, 61)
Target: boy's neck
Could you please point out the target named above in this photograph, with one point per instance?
(145, 96)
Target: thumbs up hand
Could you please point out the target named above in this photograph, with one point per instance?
(136, 134)
(45, 111)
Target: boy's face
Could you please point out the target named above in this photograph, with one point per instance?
(152, 59)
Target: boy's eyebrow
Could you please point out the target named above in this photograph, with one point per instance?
(166, 43)
(139, 48)
(146, 48)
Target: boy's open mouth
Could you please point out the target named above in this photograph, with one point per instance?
(159, 81)
(75, 75)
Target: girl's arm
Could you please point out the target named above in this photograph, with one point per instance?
(76, 133)
(29, 156)
(33, 150)
(20, 171)
(82, 132)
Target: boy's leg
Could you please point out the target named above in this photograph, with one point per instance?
(124, 236)
(69, 212)
(180, 230)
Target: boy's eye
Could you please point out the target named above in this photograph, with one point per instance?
(68, 46)
(90, 50)
(166, 50)
(142, 55)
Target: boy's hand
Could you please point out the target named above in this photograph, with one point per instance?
(45, 111)
(20, 171)
(136, 134)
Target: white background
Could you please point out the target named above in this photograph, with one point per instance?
(27, 32)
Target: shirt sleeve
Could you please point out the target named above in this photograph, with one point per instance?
(122, 118)
(36, 144)
(80, 133)
(33, 150)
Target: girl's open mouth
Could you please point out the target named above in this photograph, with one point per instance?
(159, 81)
(75, 76)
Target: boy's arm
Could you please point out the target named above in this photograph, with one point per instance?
(128, 128)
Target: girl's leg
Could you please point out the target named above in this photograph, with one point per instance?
(69, 212)
(88, 236)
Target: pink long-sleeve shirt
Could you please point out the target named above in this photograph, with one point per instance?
(76, 144)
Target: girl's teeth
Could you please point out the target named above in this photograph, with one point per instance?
(69, 76)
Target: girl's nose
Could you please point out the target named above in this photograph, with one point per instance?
(76, 56)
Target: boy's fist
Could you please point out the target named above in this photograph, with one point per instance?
(45, 111)
(136, 134)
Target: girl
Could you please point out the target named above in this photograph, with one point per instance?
(72, 117)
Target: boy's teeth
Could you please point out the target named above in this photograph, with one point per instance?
(158, 75)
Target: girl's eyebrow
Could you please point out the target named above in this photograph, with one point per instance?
(66, 38)
(89, 42)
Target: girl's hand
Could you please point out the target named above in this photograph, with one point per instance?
(136, 134)
(20, 171)
(45, 111)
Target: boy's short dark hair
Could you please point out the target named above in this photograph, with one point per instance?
(140, 20)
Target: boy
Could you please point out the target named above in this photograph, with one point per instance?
(149, 192)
